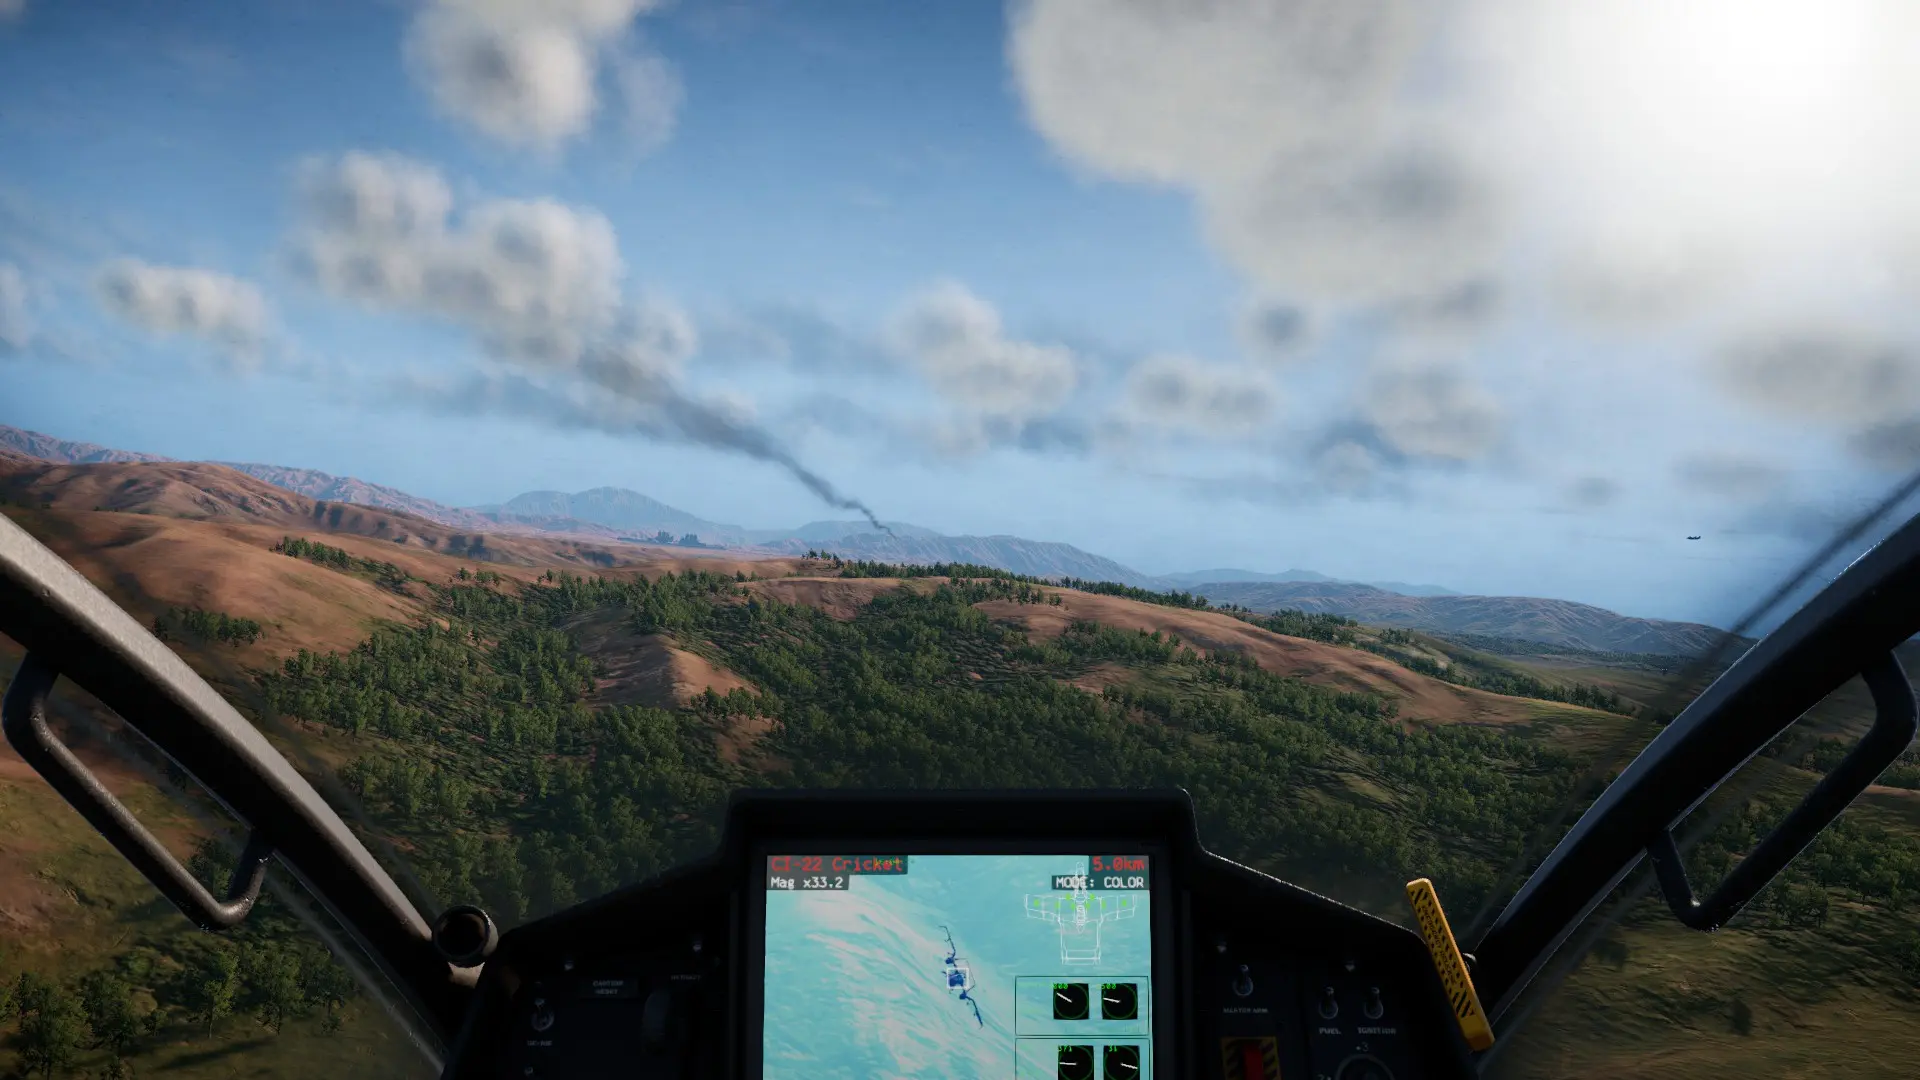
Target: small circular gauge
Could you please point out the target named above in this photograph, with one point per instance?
(1070, 1001)
(1121, 1063)
(1075, 1063)
(1120, 1001)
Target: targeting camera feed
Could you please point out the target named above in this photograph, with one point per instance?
(1025, 966)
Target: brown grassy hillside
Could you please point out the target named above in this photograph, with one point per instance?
(202, 492)
(1420, 697)
(160, 534)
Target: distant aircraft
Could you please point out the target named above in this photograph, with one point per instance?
(1693, 538)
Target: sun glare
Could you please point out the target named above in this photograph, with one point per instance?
(1765, 118)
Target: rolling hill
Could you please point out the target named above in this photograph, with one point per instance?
(1552, 622)
(155, 495)
(611, 508)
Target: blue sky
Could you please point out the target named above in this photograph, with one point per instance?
(1444, 296)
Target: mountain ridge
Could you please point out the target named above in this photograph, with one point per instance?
(1549, 621)
(1564, 623)
(1190, 579)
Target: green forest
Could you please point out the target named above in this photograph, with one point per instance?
(480, 750)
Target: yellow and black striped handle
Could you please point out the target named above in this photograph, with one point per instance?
(1450, 964)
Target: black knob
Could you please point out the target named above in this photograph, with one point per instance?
(659, 1022)
(1363, 1068)
(542, 1016)
(1373, 1006)
(464, 936)
(1329, 1003)
(1243, 982)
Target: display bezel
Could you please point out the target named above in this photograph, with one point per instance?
(1160, 919)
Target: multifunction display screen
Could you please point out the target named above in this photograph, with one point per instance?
(1036, 967)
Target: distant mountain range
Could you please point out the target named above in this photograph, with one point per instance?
(613, 514)
(1195, 578)
(1553, 622)
(1037, 558)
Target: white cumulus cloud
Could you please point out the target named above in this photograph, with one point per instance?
(535, 278)
(528, 73)
(180, 300)
(1463, 168)
(957, 343)
(1288, 118)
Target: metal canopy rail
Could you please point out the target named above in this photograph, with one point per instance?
(1850, 628)
(70, 628)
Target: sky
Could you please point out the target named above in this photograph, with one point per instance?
(1508, 298)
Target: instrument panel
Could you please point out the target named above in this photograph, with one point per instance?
(1032, 936)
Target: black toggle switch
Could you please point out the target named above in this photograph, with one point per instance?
(658, 1021)
(1329, 1003)
(542, 1016)
(1373, 1006)
(1243, 983)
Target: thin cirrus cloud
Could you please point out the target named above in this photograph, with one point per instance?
(1189, 396)
(534, 74)
(1431, 409)
(1730, 476)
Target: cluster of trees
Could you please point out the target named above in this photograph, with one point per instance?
(1314, 626)
(194, 624)
(691, 540)
(482, 577)
(181, 987)
(1148, 596)
(340, 559)
(1825, 754)
(55, 1024)
(860, 568)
